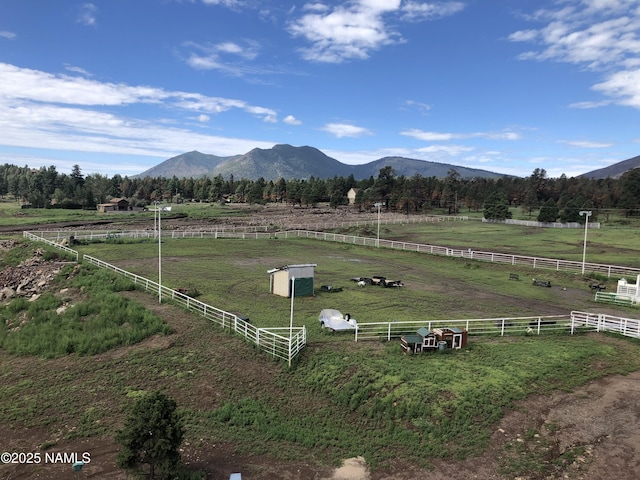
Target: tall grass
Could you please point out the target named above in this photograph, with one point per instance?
(101, 321)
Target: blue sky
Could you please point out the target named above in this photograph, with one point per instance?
(504, 85)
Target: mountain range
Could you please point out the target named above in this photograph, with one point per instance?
(288, 162)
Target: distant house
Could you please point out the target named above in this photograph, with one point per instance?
(300, 277)
(115, 205)
(351, 195)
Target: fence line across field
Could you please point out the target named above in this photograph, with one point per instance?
(269, 340)
(286, 347)
(260, 232)
(502, 326)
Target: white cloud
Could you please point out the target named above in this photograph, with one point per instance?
(587, 144)
(587, 104)
(227, 57)
(59, 112)
(33, 85)
(341, 130)
(203, 118)
(427, 136)
(224, 3)
(423, 107)
(442, 137)
(291, 120)
(87, 15)
(451, 150)
(6, 34)
(623, 86)
(418, 11)
(353, 30)
(602, 35)
(79, 70)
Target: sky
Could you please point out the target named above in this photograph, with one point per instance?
(509, 86)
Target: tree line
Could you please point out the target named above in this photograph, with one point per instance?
(560, 197)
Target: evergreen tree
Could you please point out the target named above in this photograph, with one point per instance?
(548, 212)
(496, 206)
(152, 435)
(570, 212)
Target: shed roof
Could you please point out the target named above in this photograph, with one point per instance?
(424, 332)
(413, 339)
(290, 267)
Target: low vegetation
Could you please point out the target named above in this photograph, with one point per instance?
(85, 316)
(342, 399)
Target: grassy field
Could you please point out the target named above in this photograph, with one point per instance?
(342, 398)
(232, 274)
(609, 245)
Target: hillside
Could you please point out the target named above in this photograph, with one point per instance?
(288, 162)
(614, 171)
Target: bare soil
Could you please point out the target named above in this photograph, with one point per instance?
(596, 427)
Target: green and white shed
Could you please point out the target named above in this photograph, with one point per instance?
(300, 277)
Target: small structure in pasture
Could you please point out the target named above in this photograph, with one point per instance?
(626, 289)
(456, 338)
(430, 340)
(299, 278)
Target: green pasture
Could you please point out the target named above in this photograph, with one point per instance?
(342, 398)
(607, 245)
(231, 274)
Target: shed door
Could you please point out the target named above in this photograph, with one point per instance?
(303, 287)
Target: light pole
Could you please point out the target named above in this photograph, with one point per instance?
(378, 204)
(293, 294)
(159, 255)
(587, 214)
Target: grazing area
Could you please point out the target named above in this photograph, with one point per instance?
(522, 406)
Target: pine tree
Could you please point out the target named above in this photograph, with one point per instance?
(152, 435)
(549, 212)
(496, 206)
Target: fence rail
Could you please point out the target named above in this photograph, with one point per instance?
(64, 248)
(629, 327)
(522, 260)
(479, 326)
(270, 340)
(615, 299)
(501, 326)
(259, 232)
(283, 343)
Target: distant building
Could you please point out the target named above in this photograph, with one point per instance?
(351, 195)
(114, 205)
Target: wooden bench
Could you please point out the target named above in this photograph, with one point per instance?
(514, 276)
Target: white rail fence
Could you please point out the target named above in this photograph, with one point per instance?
(530, 223)
(515, 260)
(479, 326)
(519, 260)
(275, 341)
(65, 249)
(280, 342)
(576, 321)
(287, 348)
(629, 327)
